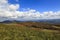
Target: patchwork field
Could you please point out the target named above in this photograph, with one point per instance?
(29, 31)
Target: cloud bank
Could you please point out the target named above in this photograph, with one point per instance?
(10, 12)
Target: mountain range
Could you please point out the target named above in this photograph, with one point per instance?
(52, 21)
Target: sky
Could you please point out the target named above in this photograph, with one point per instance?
(39, 5)
(27, 10)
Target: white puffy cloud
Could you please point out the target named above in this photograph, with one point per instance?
(10, 11)
(13, 7)
(3, 1)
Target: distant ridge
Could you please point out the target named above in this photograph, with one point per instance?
(52, 21)
(10, 21)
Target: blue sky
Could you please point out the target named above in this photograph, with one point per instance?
(29, 9)
(39, 5)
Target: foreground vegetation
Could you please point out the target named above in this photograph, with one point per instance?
(15, 31)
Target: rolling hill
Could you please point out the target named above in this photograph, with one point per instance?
(29, 31)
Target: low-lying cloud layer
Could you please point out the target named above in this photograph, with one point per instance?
(10, 11)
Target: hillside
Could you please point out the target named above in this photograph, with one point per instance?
(41, 25)
(29, 31)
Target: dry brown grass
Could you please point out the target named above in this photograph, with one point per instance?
(39, 25)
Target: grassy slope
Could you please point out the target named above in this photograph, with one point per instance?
(22, 32)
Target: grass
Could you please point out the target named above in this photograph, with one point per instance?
(21, 32)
